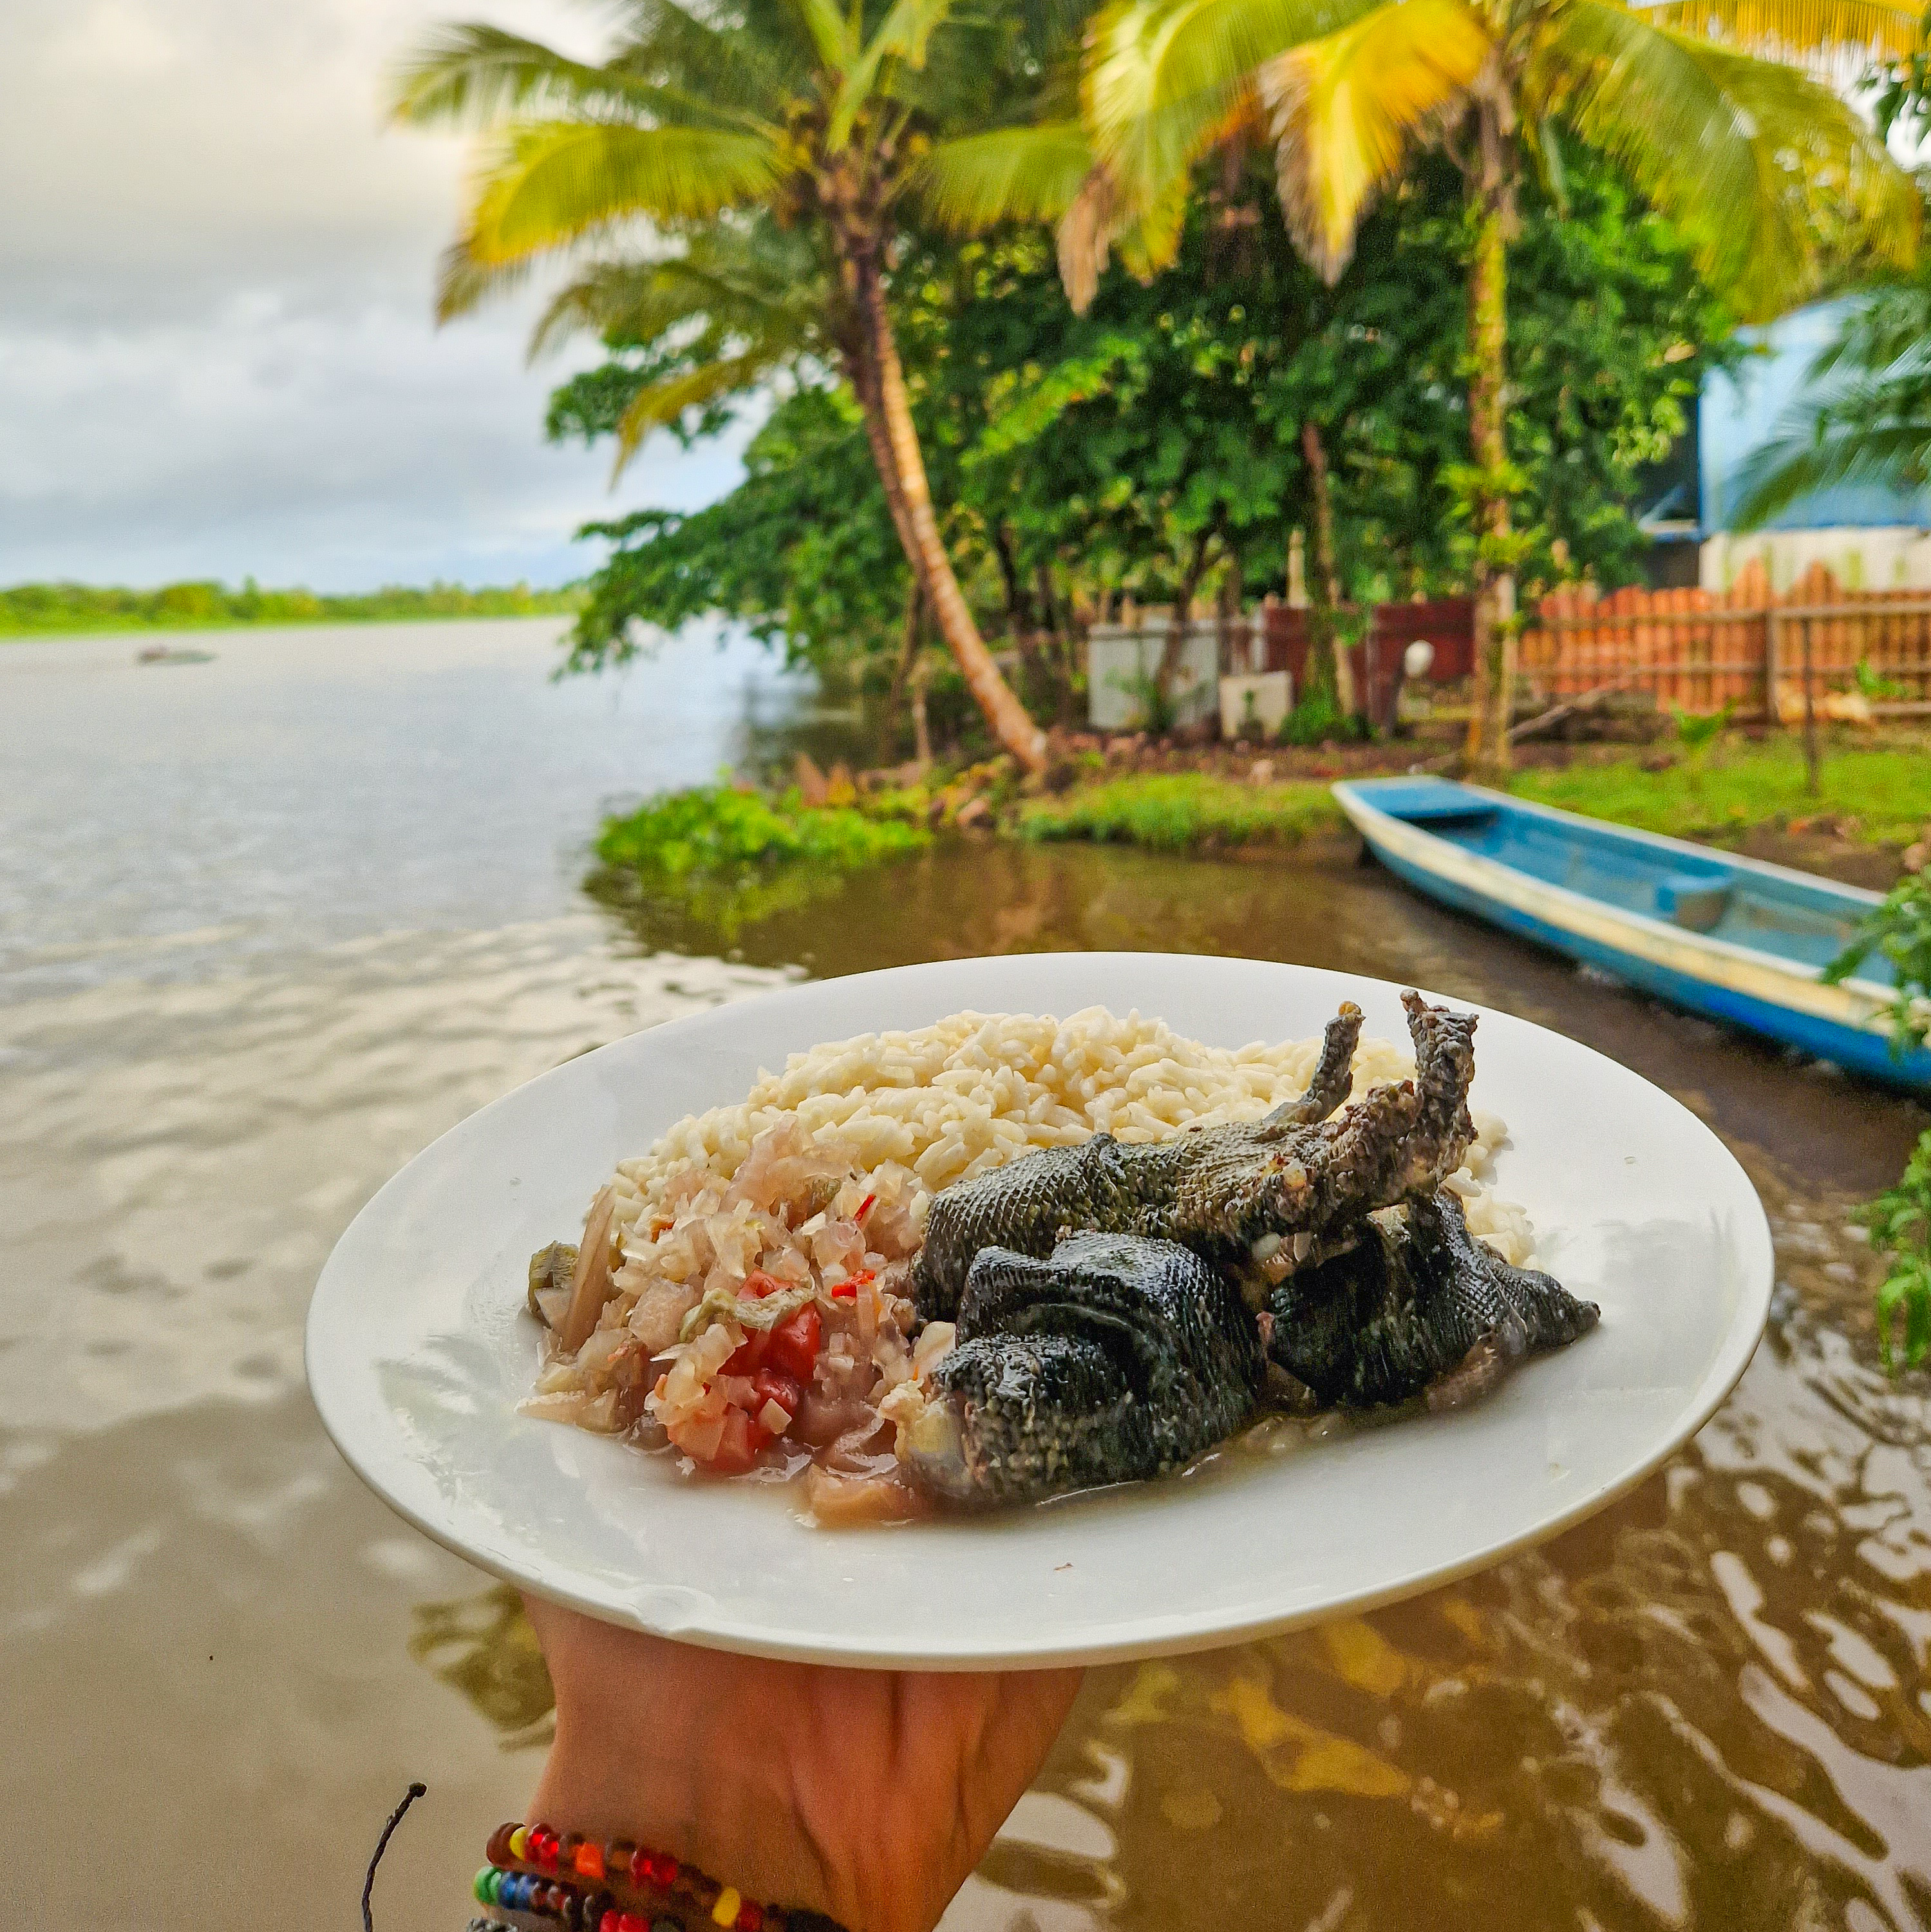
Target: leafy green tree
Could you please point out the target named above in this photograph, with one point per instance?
(802, 551)
(774, 155)
(1775, 180)
(1080, 456)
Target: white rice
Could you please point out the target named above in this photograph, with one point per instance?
(946, 1102)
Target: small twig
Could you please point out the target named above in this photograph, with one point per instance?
(409, 1797)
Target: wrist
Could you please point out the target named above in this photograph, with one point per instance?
(538, 1878)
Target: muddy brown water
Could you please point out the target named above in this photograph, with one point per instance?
(268, 925)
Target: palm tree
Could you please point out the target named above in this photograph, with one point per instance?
(1868, 419)
(1778, 185)
(765, 162)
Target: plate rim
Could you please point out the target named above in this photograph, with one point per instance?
(721, 1633)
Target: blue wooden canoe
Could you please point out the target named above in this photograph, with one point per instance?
(1734, 938)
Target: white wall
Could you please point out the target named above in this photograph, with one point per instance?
(1893, 557)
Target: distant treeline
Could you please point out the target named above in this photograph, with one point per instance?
(28, 607)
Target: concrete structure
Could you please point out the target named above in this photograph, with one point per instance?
(1121, 663)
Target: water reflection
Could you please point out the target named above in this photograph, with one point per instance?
(484, 1648)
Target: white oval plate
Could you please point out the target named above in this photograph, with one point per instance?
(418, 1353)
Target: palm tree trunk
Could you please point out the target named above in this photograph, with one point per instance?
(901, 469)
(1487, 749)
(1328, 665)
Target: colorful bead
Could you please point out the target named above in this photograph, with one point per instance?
(643, 1867)
(498, 1851)
(628, 1922)
(589, 1859)
(725, 1912)
(543, 1843)
(751, 1918)
(480, 1890)
(519, 1844)
(608, 1923)
(620, 1857)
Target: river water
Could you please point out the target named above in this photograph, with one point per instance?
(269, 924)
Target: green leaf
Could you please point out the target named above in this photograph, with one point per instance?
(978, 181)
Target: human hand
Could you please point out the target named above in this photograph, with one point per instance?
(868, 1795)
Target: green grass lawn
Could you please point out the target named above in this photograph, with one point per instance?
(1180, 812)
(1887, 791)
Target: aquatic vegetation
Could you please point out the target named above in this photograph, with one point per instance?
(716, 832)
(1176, 811)
(720, 860)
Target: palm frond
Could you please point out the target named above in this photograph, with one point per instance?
(737, 72)
(1808, 454)
(552, 183)
(831, 35)
(472, 74)
(1148, 245)
(463, 283)
(1871, 28)
(1084, 238)
(1780, 188)
(663, 403)
(1165, 51)
(901, 40)
(738, 283)
(1146, 127)
(1343, 111)
(1008, 174)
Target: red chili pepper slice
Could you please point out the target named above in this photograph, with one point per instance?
(865, 1206)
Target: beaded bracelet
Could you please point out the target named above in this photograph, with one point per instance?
(565, 1878)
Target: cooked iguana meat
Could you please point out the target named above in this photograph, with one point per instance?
(1112, 1361)
(1417, 1307)
(1254, 1201)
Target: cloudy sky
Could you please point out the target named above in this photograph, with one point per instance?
(216, 354)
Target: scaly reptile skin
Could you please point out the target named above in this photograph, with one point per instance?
(1417, 1307)
(1113, 1360)
(1237, 1196)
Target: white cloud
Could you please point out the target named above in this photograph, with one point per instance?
(216, 354)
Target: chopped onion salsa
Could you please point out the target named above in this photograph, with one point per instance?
(752, 1326)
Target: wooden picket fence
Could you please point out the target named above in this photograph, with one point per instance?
(1748, 647)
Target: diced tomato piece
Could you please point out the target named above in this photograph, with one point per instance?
(770, 1385)
(792, 1347)
(748, 1359)
(847, 1291)
(757, 1284)
(742, 1437)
